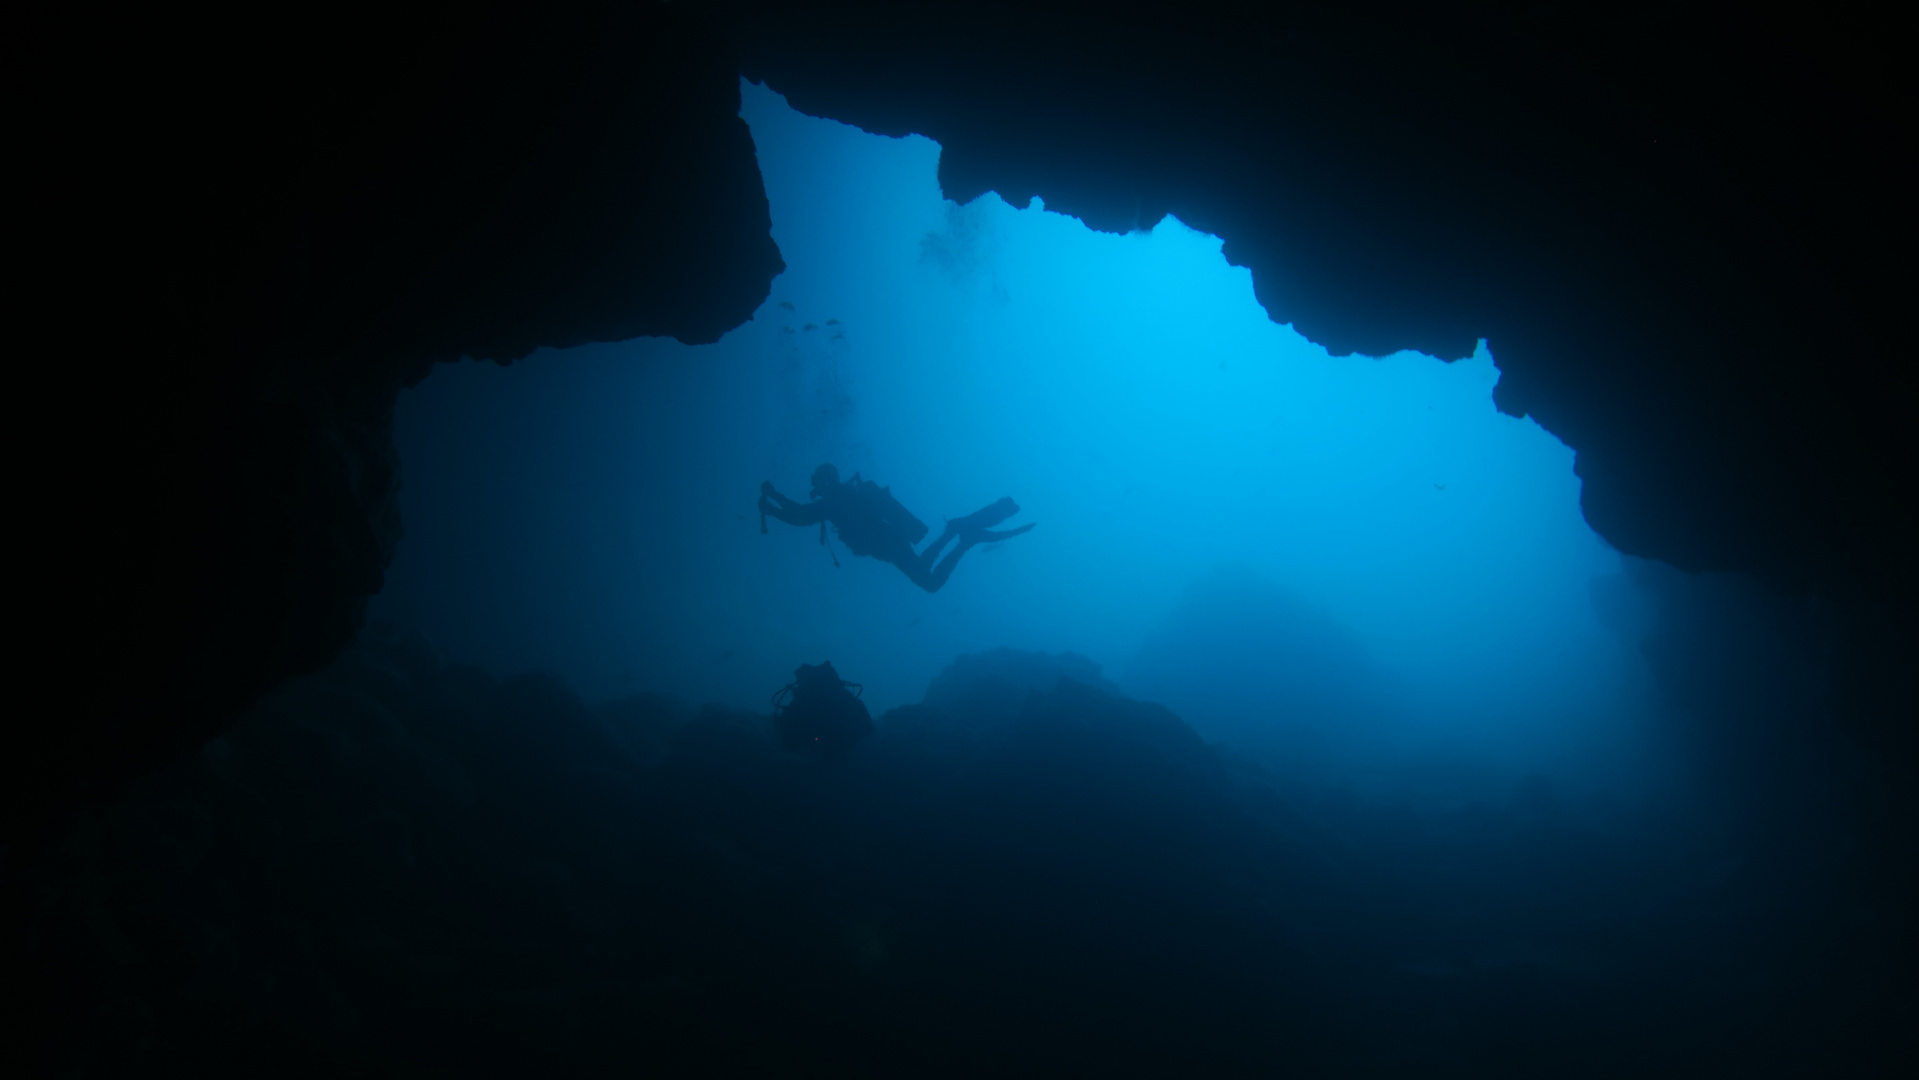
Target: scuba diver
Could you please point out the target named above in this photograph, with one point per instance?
(820, 713)
(871, 522)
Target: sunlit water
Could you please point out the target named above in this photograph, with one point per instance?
(1353, 562)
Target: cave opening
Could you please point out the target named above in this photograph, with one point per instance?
(1447, 787)
(1355, 568)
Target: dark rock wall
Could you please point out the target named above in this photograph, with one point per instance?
(267, 228)
(396, 867)
(1676, 227)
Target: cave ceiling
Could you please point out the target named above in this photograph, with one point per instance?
(1674, 227)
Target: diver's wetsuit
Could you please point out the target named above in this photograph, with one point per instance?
(861, 522)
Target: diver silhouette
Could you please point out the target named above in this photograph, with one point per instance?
(819, 712)
(871, 522)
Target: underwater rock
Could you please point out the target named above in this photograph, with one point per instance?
(396, 866)
(644, 723)
(1252, 664)
(338, 209)
(983, 689)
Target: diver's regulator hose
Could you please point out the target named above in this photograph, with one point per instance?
(828, 547)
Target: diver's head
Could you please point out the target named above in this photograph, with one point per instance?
(825, 478)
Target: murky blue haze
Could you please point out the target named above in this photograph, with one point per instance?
(1351, 566)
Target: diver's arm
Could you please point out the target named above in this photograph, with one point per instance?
(793, 513)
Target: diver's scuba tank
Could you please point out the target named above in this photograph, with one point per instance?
(819, 712)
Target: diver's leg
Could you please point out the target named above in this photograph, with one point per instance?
(918, 569)
(936, 577)
(932, 579)
(932, 550)
(922, 577)
(914, 564)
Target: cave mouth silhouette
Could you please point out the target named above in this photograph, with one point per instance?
(402, 864)
(1133, 395)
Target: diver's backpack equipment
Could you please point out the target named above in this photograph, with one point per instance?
(874, 515)
(817, 713)
(897, 517)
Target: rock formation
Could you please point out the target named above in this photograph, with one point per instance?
(1677, 228)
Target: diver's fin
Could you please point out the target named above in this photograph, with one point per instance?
(987, 536)
(983, 519)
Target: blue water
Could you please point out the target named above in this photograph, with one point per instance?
(1351, 566)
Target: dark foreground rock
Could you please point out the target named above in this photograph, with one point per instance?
(400, 868)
